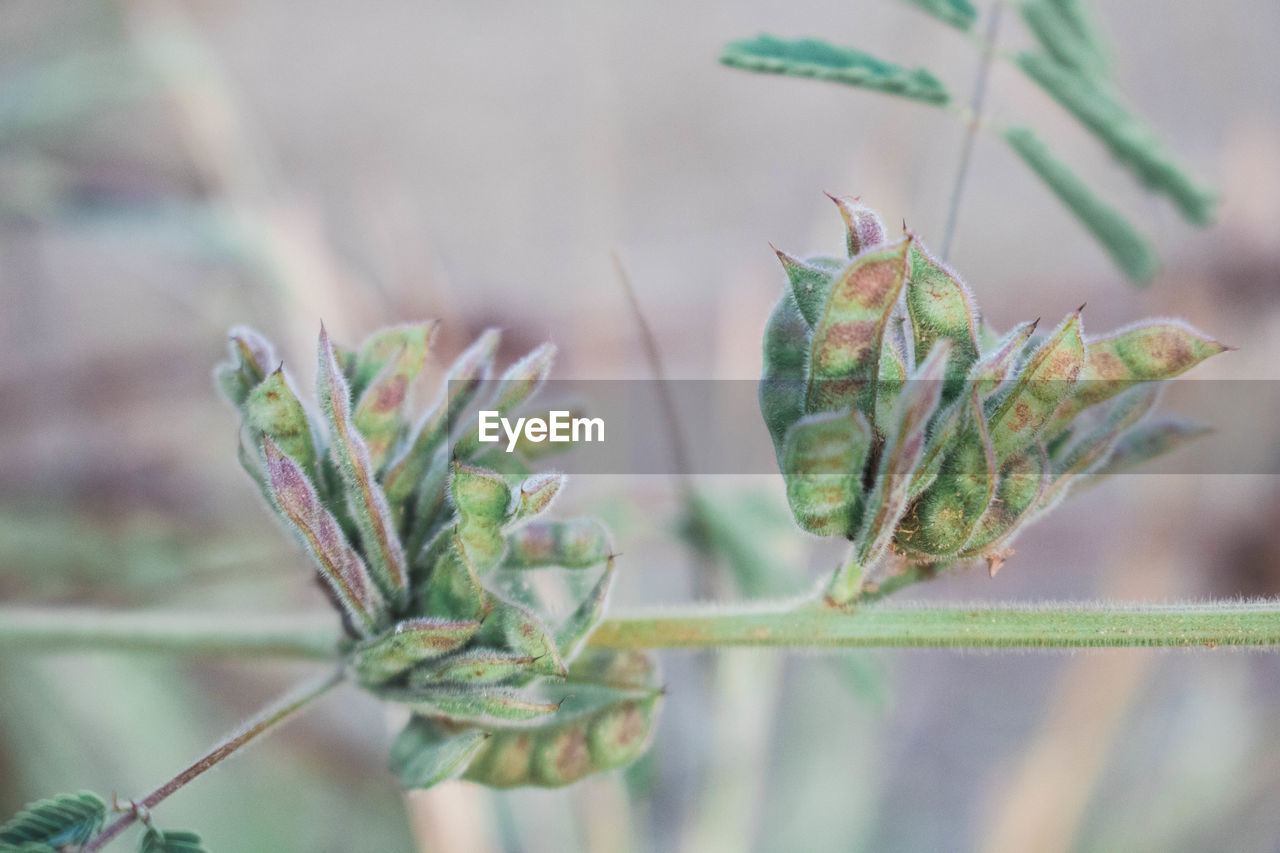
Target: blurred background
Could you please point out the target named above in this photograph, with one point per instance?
(170, 168)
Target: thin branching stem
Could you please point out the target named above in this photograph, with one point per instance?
(974, 122)
(267, 719)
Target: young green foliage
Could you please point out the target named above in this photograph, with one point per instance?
(1121, 240)
(169, 841)
(56, 822)
(960, 14)
(824, 61)
(427, 549)
(973, 435)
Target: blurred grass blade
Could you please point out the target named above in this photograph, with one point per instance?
(1128, 248)
(818, 59)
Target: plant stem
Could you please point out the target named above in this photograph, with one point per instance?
(952, 626)
(50, 629)
(774, 624)
(975, 118)
(268, 718)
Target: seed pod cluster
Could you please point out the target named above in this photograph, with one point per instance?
(904, 424)
(459, 599)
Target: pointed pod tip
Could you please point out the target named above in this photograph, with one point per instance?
(1081, 308)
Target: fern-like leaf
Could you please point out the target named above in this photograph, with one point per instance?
(823, 61)
(57, 821)
(1126, 246)
(960, 14)
(169, 841)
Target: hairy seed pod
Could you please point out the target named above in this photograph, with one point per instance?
(465, 705)
(782, 380)
(810, 281)
(554, 755)
(520, 382)
(252, 358)
(483, 500)
(1048, 378)
(1090, 452)
(1022, 481)
(1144, 352)
(341, 567)
(405, 472)
(474, 666)
(452, 590)
(378, 413)
(537, 493)
(579, 624)
(941, 307)
(998, 362)
(405, 346)
(273, 409)
(408, 644)
(510, 626)
(943, 518)
(863, 227)
(630, 669)
(577, 543)
(845, 351)
(892, 376)
(889, 494)
(365, 498)
(427, 751)
(1150, 439)
(822, 462)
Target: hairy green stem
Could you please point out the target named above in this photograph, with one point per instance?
(952, 626)
(774, 624)
(282, 710)
(24, 629)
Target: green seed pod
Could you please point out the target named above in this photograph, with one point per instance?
(520, 382)
(1022, 481)
(378, 411)
(893, 373)
(810, 281)
(579, 624)
(512, 627)
(1091, 451)
(889, 495)
(942, 308)
(483, 501)
(341, 567)
(273, 409)
(603, 738)
(405, 346)
(467, 705)
(1143, 352)
(634, 670)
(845, 352)
(462, 381)
(473, 666)
(577, 543)
(537, 493)
(452, 590)
(1048, 378)
(998, 362)
(822, 463)
(408, 644)
(1151, 439)
(252, 358)
(428, 752)
(943, 518)
(365, 499)
(863, 228)
(782, 381)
